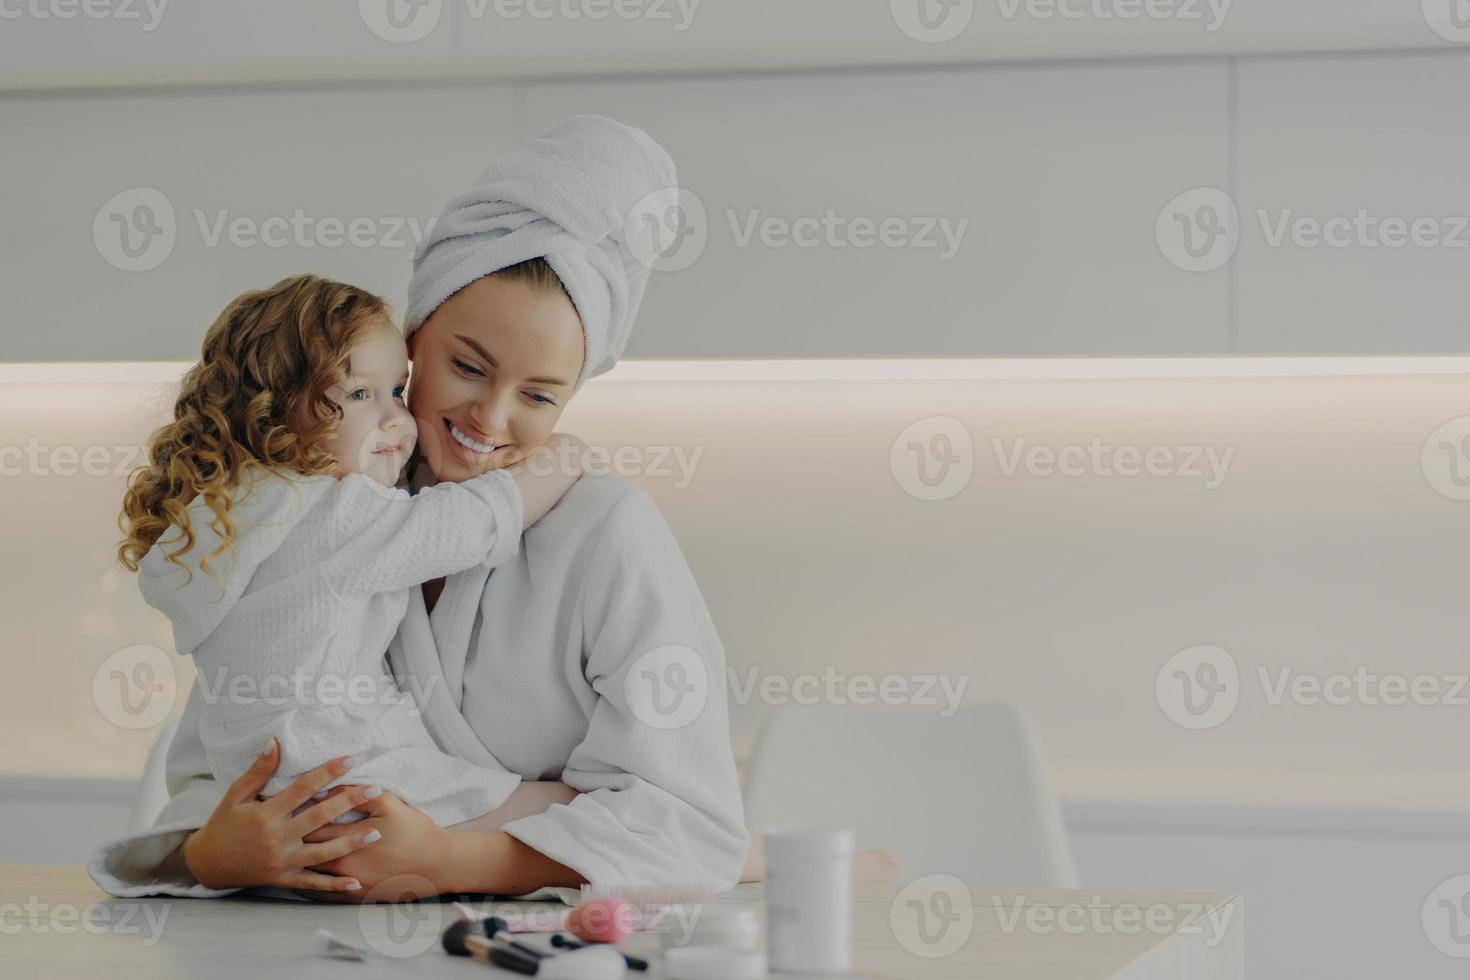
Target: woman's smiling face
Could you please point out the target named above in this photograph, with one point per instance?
(493, 368)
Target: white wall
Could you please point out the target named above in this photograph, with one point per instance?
(1051, 178)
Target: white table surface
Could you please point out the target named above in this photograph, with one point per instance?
(55, 923)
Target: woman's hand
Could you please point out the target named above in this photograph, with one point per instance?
(411, 860)
(249, 842)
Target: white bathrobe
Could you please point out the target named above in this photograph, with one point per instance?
(291, 643)
(528, 666)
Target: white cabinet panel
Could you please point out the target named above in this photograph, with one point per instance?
(1354, 204)
(1049, 181)
(219, 193)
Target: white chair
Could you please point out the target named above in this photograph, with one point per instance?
(152, 789)
(965, 795)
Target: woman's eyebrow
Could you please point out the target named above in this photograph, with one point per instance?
(475, 346)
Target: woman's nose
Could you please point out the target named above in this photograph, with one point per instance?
(490, 416)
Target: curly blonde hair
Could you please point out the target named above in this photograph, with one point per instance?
(258, 395)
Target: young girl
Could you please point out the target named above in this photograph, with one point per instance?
(269, 527)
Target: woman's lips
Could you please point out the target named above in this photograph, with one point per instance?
(463, 453)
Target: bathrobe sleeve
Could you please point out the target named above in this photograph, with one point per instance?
(385, 539)
(660, 799)
(132, 866)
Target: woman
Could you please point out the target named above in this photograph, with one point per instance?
(563, 664)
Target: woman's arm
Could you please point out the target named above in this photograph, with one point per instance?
(198, 829)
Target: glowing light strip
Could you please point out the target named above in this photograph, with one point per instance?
(863, 369)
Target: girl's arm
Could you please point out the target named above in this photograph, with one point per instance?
(385, 539)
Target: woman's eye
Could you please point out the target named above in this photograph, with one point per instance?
(541, 399)
(466, 368)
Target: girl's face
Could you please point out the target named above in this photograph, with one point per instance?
(493, 368)
(376, 434)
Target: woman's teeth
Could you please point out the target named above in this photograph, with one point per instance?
(467, 442)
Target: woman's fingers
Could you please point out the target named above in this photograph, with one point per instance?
(343, 845)
(253, 780)
(329, 809)
(304, 786)
(314, 881)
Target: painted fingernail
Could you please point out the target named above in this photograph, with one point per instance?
(371, 836)
(268, 746)
(349, 762)
(372, 792)
(353, 886)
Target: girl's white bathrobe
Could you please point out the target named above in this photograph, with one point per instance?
(588, 657)
(290, 644)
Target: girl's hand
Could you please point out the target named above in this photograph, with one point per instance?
(411, 860)
(249, 842)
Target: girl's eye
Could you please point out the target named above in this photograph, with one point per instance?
(398, 392)
(358, 391)
(466, 368)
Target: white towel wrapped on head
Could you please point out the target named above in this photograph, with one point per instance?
(570, 197)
